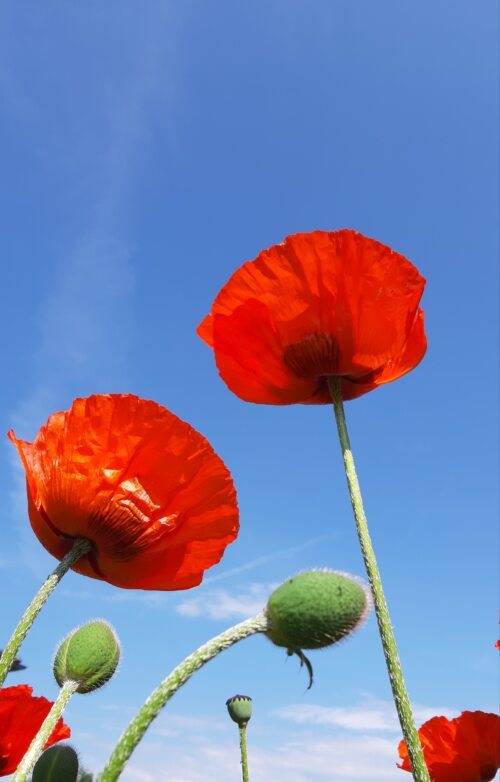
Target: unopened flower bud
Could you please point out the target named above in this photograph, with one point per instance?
(89, 655)
(240, 708)
(316, 609)
(57, 764)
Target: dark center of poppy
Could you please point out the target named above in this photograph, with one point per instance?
(70, 541)
(488, 772)
(317, 355)
(112, 528)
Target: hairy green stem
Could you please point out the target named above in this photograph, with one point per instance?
(37, 745)
(244, 755)
(169, 686)
(415, 753)
(81, 547)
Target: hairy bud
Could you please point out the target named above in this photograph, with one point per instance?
(89, 655)
(315, 609)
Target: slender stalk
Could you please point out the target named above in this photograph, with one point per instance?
(415, 753)
(81, 547)
(169, 686)
(37, 745)
(244, 755)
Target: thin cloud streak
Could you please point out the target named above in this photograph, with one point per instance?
(302, 759)
(85, 319)
(224, 604)
(264, 560)
(349, 744)
(371, 714)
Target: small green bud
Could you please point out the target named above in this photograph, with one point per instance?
(315, 609)
(240, 708)
(57, 764)
(88, 655)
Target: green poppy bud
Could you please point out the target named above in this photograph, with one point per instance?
(88, 655)
(240, 708)
(315, 609)
(57, 764)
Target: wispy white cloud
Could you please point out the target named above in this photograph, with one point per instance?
(225, 604)
(264, 560)
(349, 751)
(177, 724)
(144, 597)
(85, 322)
(353, 744)
(306, 759)
(153, 599)
(424, 713)
(370, 715)
(246, 601)
(84, 326)
(85, 330)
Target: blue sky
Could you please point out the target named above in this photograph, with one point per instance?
(151, 148)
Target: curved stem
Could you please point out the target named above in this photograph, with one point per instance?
(244, 755)
(415, 753)
(169, 686)
(81, 547)
(37, 745)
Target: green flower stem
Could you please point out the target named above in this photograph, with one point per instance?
(81, 547)
(38, 744)
(169, 686)
(244, 756)
(415, 753)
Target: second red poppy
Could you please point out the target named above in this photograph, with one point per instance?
(321, 304)
(21, 715)
(145, 488)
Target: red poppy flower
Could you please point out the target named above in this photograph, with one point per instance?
(466, 749)
(148, 491)
(21, 715)
(321, 304)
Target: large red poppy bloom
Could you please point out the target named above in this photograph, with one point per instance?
(466, 749)
(319, 305)
(147, 490)
(21, 715)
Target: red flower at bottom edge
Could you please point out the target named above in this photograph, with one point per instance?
(465, 749)
(21, 715)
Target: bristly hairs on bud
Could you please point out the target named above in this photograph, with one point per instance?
(67, 662)
(79, 627)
